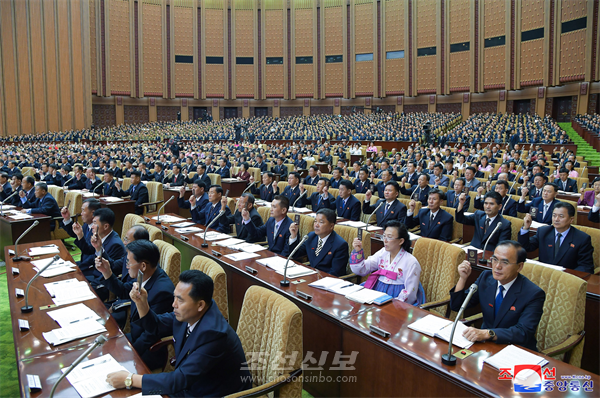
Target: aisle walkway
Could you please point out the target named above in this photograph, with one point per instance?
(583, 148)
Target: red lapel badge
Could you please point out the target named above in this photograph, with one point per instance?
(329, 253)
(572, 245)
(491, 305)
(513, 308)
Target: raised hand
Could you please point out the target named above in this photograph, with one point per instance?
(462, 198)
(368, 195)
(412, 205)
(245, 214)
(78, 230)
(464, 270)
(64, 212)
(480, 191)
(357, 245)
(103, 266)
(117, 185)
(293, 230)
(193, 200)
(527, 221)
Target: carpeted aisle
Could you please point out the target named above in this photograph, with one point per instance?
(9, 384)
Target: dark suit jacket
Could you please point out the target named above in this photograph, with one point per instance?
(571, 185)
(421, 195)
(518, 316)
(441, 228)
(205, 179)
(594, 216)
(362, 187)
(78, 184)
(110, 189)
(140, 195)
(209, 363)
(90, 185)
(308, 180)
(575, 252)
(6, 191)
(276, 243)
(46, 205)
(282, 170)
(266, 193)
(262, 166)
(292, 195)
(333, 257)
(479, 236)
(335, 184)
(240, 228)
(352, 209)
(452, 200)
(206, 214)
(317, 204)
(178, 181)
(158, 177)
(223, 172)
(539, 203)
(113, 246)
(411, 180)
(200, 204)
(397, 211)
(509, 206)
(300, 164)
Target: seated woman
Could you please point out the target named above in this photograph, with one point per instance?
(393, 269)
(588, 197)
(243, 173)
(356, 150)
(371, 147)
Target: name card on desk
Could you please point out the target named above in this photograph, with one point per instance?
(23, 325)
(15, 271)
(19, 292)
(34, 383)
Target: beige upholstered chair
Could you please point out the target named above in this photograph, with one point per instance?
(272, 325)
(155, 233)
(595, 234)
(28, 171)
(126, 183)
(217, 274)
(129, 221)
(74, 199)
(170, 260)
(58, 194)
(457, 228)
(155, 197)
(307, 224)
(265, 213)
(439, 263)
(281, 185)
(215, 179)
(560, 332)
(515, 225)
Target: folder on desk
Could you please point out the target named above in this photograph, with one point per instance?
(89, 377)
(277, 264)
(512, 355)
(335, 285)
(365, 296)
(73, 331)
(434, 326)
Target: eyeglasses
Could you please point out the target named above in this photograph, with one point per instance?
(388, 238)
(495, 261)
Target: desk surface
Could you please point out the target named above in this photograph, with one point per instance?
(34, 355)
(342, 320)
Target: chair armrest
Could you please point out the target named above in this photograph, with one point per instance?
(350, 276)
(121, 305)
(472, 319)
(457, 240)
(435, 304)
(266, 388)
(565, 346)
(415, 230)
(152, 203)
(164, 342)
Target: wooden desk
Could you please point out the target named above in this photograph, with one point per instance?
(173, 207)
(407, 361)
(235, 188)
(355, 158)
(323, 167)
(121, 209)
(34, 355)
(10, 230)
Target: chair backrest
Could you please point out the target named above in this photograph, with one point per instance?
(564, 308)
(335, 192)
(215, 179)
(217, 274)
(58, 195)
(265, 213)
(170, 260)
(473, 195)
(307, 224)
(231, 203)
(439, 268)
(515, 226)
(418, 204)
(129, 221)
(155, 233)
(126, 183)
(255, 172)
(348, 234)
(457, 228)
(76, 199)
(574, 204)
(272, 325)
(281, 185)
(28, 171)
(594, 233)
(155, 192)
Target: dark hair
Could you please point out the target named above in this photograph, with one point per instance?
(503, 182)
(329, 214)
(140, 233)
(521, 252)
(402, 232)
(283, 201)
(563, 170)
(348, 184)
(249, 196)
(4, 175)
(105, 215)
(544, 176)
(315, 168)
(109, 172)
(42, 185)
(438, 166)
(435, 191)
(18, 176)
(295, 174)
(494, 195)
(325, 181)
(393, 184)
(553, 185)
(565, 205)
(200, 184)
(136, 173)
(471, 168)
(218, 188)
(340, 170)
(144, 250)
(461, 179)
(202, 285)
(93, 204)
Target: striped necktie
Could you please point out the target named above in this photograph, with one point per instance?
(319, 247)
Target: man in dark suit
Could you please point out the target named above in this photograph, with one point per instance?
(44, 203)
(471, 181)
(545, 204)
(92, 180)
(88, 207)
(117, 172)
(280, 169)
(312, 178)
(539, 180)
(268, 189)
(177, 179)
(208, 213)
(159, 174)
(223, 169)
(509, 206)
(109, 188)
(391, 209)
(199, 176)
(362, 184)
(334, 181)
(103, 239)
(198, 198)
(245, 203)
(322, 199)
(277, 228)
(452, 196)
(435, 223)
(346, 204)
(137, 191)
(80, 179)
(260, 164)
(300, 163)
(420, 191)
(12, 168)
(326, 250)
(5, 188)
(564, 182)
(411, 176)
(562, 244)
(511, 304)
(142, 255)
(294, 190)
(485, 221)
(210, 360)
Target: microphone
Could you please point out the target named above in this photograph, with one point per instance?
(248, 187)
(373, 213)
(23, 258)
(2, 202)
(285, 281)
(204, 244)
(449, 359)
(100, 340)
(97, 186)
(483, 260)
(298, 198)
(504, 206)
(164, 204)
(411, 196)
(68, 181)
(27, 307)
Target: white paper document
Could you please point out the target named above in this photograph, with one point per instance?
(169, 219)
(365, 296)
(241, 256)
(73, 331)
(248, 247)
(355, 224)
(74, 293)
(111, 199)
(183, 224)
(434, 326)
(335, 285)
(537, 225)
(72, 315)
(7, 207)
(299, 210)
(43, 250)
(229, 242)
(58, 285)
(512, 355)
(189, 230)
(20, 216)
(557, 267)
(277, 264)
(213, 235)
(89, 377)
(59, 267)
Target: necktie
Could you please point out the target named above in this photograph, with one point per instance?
(132, 189)
(319, 247)
(187, 334)
(276, 229)
(431, 219)
(487, 225)
(499, 299)
(557, 245)
(387, 208)
(319, 201)
(545, 210)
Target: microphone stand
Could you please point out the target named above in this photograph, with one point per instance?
(373, 213)
(68, 181)
(100, 340)
(97, 186)
(504, 205)
(2, 202)
(449, 359)
(23, 258)
(483, 260)
(158, 222)
(285, 281)
(27, 307)
(248, 187)
(204, 244)
(298, 198)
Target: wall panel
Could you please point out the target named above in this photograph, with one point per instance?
(573, 9)
(184, 45)
(494, 22)
(152, 53)
(363, 32)
(532, 14)
(52, 98)
(215, 73)
(136, 114)
(244, 47)
(426, 73)
(65, 81)
(334, 45)
(9, 81)
(274, 38)
(120, 54)
(304, 76)
(459, 21)
(25, 100)
(494, 67)
(532, 62)
(37, 67)
(77, 75)
(572, 55)
(426, 37)
(460, 63)
(394, 41)
(93, 52)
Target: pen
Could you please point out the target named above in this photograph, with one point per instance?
(97, 363)
(343, 287)
(83, 319)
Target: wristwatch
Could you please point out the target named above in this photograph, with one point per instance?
(128, 381)
(491, 333)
